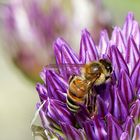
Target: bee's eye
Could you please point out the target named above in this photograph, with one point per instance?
(107, 64)
(109, 68)
(95, 69)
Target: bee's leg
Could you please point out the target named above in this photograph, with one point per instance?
(89, 101)
(94, 105)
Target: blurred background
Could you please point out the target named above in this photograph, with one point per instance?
(27, 31)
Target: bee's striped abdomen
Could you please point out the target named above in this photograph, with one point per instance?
(76, 93)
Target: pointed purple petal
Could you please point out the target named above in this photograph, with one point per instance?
(126, 89)
(72, 133)
(101, 107)
(95, 129)
(82, 116)
(103, 44)
(124, 136)
(138, 93)
(136, 33)
(136, 135)
(56, 86)
(128, 25)
(129, 126)
(135, 110)
(135, 76)
(58, 112)
(99, 128)
(42, 114)
(118, 40)
(120, 108)
(65, 55)
(42, 91)
(114, 130)
(88, 51)
(89, 130)
(132, 54)
(47, 124)
(117, 61)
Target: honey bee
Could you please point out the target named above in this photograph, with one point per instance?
(80, 87)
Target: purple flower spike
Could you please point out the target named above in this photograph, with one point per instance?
(58, 112)
(121, 110)
(132, 54)
(135, 110)
(124, 136)
(110, 111)
(135, 78)
(101, 107)
(137, 133)
(129, 126)
(125, 87)
(117, 61)
(114, 130)
(71, 133)
(88, 51)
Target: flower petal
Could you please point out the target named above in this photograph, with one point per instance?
(124, 136)
(128, 25)
(103, 44)
(118, 40)
(138, 93)
(120, 111)
(129, 126)
(114, 130)
(64, 57)
(125, 86)
(135, 111)
(58, 112)
(118, 61)
(135, 76)
(132, 54)
(72, 133)
(136, 33)
(56, 86)
(137, 132)
(89, 130)
(42, 91)
(88, 51)
(95, 129)
(101, 106)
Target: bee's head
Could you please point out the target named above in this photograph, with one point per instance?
(107, 67)
(100, 70)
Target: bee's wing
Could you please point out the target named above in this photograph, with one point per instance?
(64, 66)
(66, 69)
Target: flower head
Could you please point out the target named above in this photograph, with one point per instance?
(117, 114)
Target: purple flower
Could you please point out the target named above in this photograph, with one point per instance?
(117, 114)
(29, 28)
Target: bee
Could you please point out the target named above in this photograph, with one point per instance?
(80, 87)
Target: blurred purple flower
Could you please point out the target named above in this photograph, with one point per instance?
(29, 29)
(118, 102)
(31, 26)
